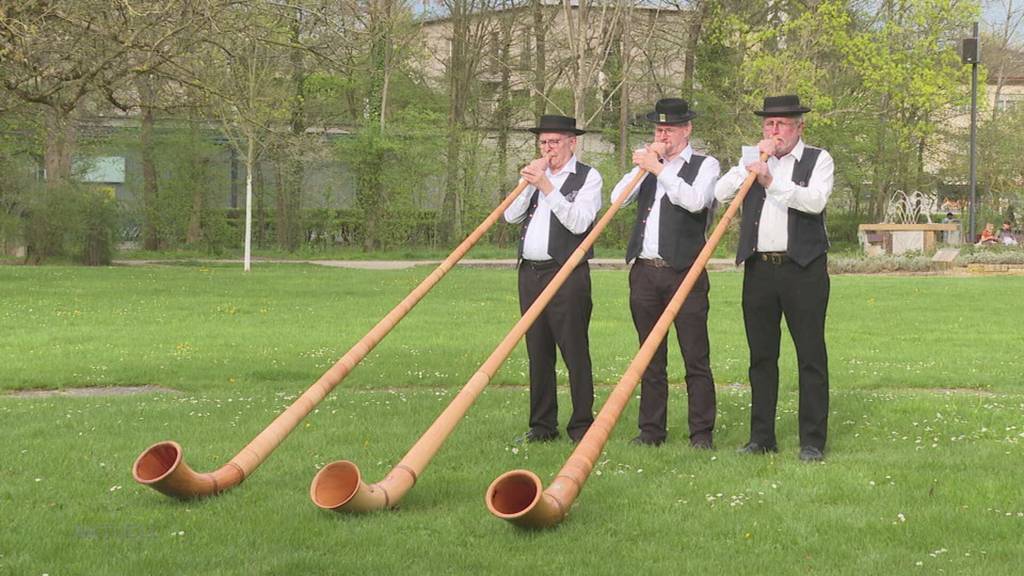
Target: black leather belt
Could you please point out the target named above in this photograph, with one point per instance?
(775, 258)
(653, 262)
(541, 264)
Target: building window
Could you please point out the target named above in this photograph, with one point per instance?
(525, 54)
(1008, 102)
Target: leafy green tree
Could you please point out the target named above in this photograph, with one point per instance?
(388, 199)
(881, 82)
(58, 53)
(905, 56)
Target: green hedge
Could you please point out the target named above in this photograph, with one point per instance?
(412, 228)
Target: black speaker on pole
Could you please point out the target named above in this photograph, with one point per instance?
(970, 51)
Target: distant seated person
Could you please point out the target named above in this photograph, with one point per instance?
(988, 236)
(949, 218)
(1006, 236)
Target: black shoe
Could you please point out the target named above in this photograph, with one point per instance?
(811, 454)
(755, 448)
(533, 436)
(641, 441)
(575, 436)
(703, 443)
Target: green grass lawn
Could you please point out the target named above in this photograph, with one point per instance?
(923, 475)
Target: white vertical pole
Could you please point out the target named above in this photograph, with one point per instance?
(248, 204)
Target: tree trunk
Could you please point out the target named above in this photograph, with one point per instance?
(578, 41)
(540, 66)
(504, 112)
(60, 143)
(697, 13)
(612, 80)
(282, 215)
(627, 46)
(195, 217)
(150, 210)
(384, 99)
(259, 190)
(1010, 25)
(458, 78)
(378, 62)
(451, 218)
(883, 168)
(289, 192)
(387, 57)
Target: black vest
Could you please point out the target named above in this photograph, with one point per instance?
(807, 236)
(561, 242)
(680, 232)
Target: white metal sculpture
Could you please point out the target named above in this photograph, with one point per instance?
(906, 208)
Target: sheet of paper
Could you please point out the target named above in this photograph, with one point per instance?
(750, 156)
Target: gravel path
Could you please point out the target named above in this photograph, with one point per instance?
(596, 263)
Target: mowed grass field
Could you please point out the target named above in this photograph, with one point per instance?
(923, 474)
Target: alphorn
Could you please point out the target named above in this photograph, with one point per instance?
(519, 496)
(162, 466)
(339, 486)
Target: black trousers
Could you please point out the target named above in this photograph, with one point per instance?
(564, 323)
(772, 290)
(650, 290)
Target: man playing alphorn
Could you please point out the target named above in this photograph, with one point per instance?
(673, 207)
(556, 211)
(783, 248)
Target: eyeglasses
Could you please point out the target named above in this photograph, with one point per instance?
(772, 123)
(668, 129)
(550, 142)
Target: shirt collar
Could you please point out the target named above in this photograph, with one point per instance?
(797, 152)
(569, 167)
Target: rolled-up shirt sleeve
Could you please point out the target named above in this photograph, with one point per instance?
(516, 211)
(729, 183)
(698, 196)
(579, 214)
(621, 186)
(811, 198)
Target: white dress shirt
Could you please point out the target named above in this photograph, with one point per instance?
(691, 198)
(576, 216)
(783, 194)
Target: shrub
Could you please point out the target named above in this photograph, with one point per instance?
(47, 221)
(97, 228)
(990, 255)
(70, 220)
(910, 262)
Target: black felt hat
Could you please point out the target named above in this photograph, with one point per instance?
(671, 111)
(554, 123)
(788, 105)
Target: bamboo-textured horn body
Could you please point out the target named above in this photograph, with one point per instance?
(419, 456)
(161, 465)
